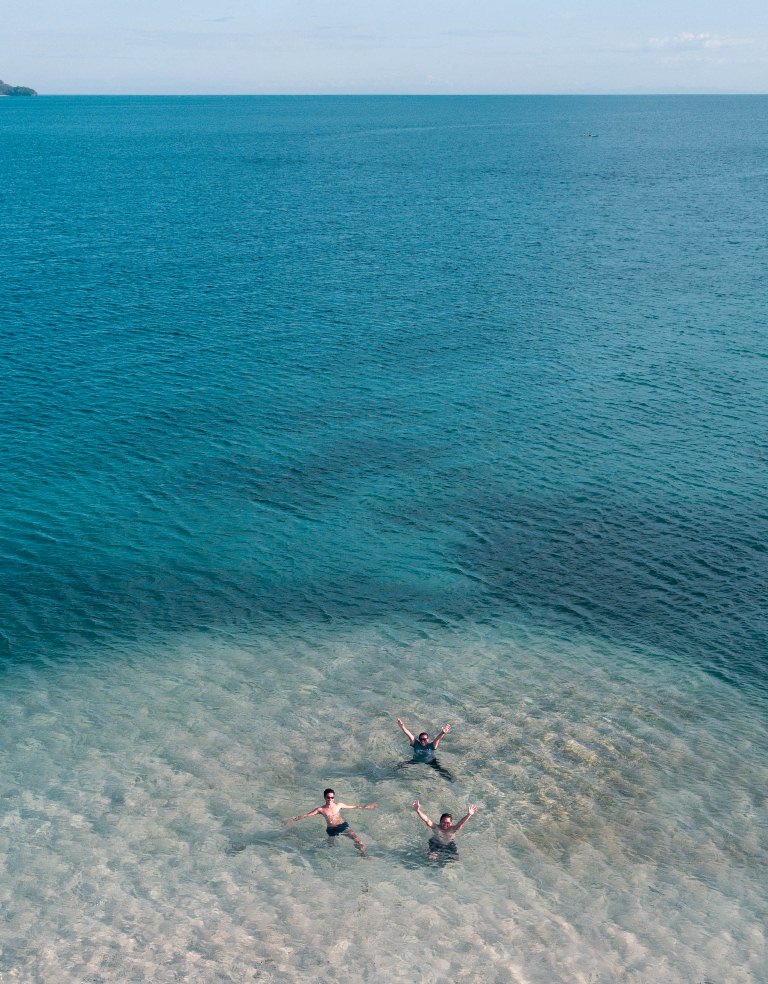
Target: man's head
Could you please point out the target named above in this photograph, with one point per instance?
(329, 794)
(446, 821)
(423, 738)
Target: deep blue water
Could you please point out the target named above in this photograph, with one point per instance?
(408, 358)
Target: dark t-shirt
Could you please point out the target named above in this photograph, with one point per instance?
(423, 753)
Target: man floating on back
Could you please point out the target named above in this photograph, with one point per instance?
(442, 844)
(335, 823)
(424, 749)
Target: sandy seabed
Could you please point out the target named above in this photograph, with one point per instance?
(620, 835)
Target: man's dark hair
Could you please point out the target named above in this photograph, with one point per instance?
(326, 791)
(446, 816)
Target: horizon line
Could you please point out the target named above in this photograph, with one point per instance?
(402, 95)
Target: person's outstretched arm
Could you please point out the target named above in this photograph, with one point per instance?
(349, 806)
(422, 815)
(443, 731)
(405, 731)
(312, 813)
(470, 813)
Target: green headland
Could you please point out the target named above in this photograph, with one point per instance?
(15, 90)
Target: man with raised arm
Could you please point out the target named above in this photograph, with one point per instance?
(424, 749)
(442, 844)
(335, 823)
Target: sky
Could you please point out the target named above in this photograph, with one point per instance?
(182, 47)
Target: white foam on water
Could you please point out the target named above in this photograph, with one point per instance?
(620, 836)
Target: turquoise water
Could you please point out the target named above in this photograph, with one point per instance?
(318, 412)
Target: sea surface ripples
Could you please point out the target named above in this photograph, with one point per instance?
(438, 407)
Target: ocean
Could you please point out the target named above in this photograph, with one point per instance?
(320, 412)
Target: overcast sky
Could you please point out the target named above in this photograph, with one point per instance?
(393, 46)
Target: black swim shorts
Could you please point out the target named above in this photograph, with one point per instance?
(440, 848)
(338, 829)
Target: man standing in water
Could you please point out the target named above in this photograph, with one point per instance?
(335, 823)
(442, 844)
(424, 749)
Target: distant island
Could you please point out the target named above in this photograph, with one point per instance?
(15, 90)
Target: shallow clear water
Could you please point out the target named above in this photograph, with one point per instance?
(318, 412)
